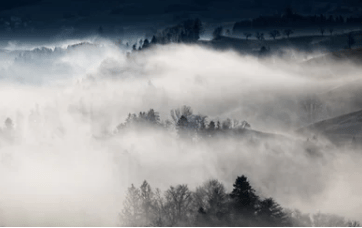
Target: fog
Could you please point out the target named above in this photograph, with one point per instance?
(65, 165)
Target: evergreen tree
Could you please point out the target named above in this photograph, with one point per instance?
(146, 44)
(217, 33)
(271, 213)
(244, 200)
(153, 117)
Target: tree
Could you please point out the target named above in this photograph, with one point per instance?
(228, 33)
(353, 224)
(192, 29)
(153, 117)
(185, 111)
(322, 30)
(331, 31)
(263, 51)
(312, 105)
(328, 220)
(227, 124)
(146, 44)
(247, 35)
(245, 124)
(131, 213)
(274, 34)
(351, 40)
(179, 205)
(298, 219)
(146, 197)
(182, 127)
(213, 201)
(259, 36)
(134, 47)
(202, 218)
(217, 33)
(244, 199)
(288, 32)
(270, 213)
(9, 123)
(153, 40)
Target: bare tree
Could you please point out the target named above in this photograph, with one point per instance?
(179, 205)
(288, 32)
(213, 200)
(312, 106)
(274, 34)
(259, 35)
(247, 35)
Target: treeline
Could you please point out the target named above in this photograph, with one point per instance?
(293, 20)
(211, 205)
(187, 124)
(188, 31)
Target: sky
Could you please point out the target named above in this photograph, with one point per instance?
(37, 18)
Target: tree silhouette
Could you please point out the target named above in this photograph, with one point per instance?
(227, 124)
(153, 40)
(153, 117)
(288, 32)
(312, 105)
(274, 34)
(228, 33)
(213, 200)
(202, 218)
(351, 40)
(298, 219)
(259, 35)
(263, 51)
(244, 199)
(271, 213)
(147, 200)
(328, 220)
(216, 34)
(247, 35)
(146, 44)
(182, 127)
(322, 30)
(131, 213)
(179, 205)
(9, 123)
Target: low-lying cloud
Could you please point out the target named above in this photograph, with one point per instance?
(64, 165)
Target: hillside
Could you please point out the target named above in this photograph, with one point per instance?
(301, 43)
(339, 129)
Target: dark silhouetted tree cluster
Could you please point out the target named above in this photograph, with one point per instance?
(211, 205)
(188, 31)
(187, 124)
(295, 20)
(217, 33)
